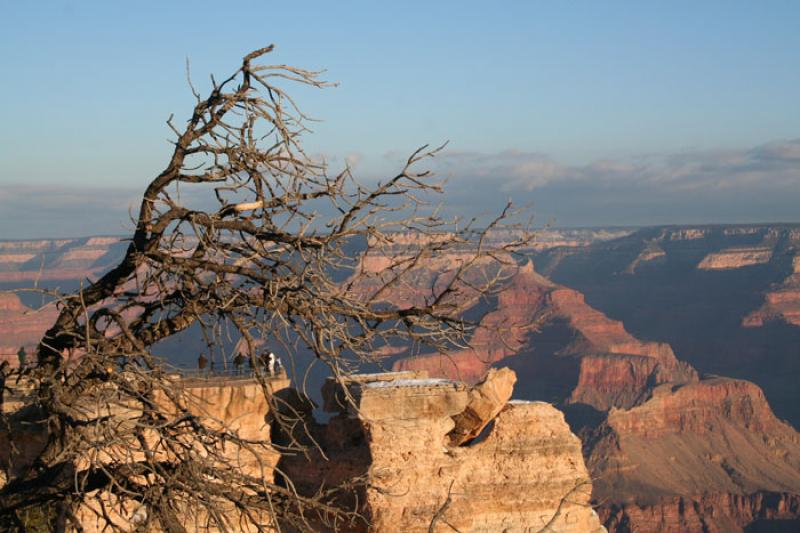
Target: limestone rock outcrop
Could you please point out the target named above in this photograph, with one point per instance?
(737, 257)
(239, 405)
(486, 400)
(527, 473)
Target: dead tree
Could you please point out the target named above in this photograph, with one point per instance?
(242, 232)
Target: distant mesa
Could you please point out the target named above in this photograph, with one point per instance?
(687, 234)
(737, 257)
(58, 259)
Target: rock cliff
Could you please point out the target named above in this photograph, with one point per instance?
(737, 257)
(705, 456)
(239, 405)
(524, 472)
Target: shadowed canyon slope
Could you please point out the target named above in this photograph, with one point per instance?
(560, 346)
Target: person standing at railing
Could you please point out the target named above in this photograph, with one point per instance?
(238, 362)
(21, 356)
(202, 361)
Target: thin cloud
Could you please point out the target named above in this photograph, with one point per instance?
(53, 210)
(761, 183)
(773, 165)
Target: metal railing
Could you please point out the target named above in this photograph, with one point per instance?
(242, 373)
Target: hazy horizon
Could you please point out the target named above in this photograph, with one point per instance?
(631, 115)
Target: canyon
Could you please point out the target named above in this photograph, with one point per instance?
(656, 434)
(670, 449)
(628, 333)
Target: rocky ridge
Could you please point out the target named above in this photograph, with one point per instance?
(608, 365)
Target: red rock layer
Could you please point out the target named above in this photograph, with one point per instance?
(710, 513)
(704, 456)
(609, 380)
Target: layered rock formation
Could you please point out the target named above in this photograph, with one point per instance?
(651, 252)
(525, 474)
(686, 234)
(670, 451)
(781, 303)
(407, 444)
(545, 238)
(602, 364)
(241, 406)
(705, 456)
(58, 259)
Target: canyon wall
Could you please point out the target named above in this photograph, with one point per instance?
(58, 259)
(423, 455)
(705, 456)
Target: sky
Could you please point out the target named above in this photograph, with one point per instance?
(595, 113)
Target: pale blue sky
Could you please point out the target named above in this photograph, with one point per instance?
(86, 87)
